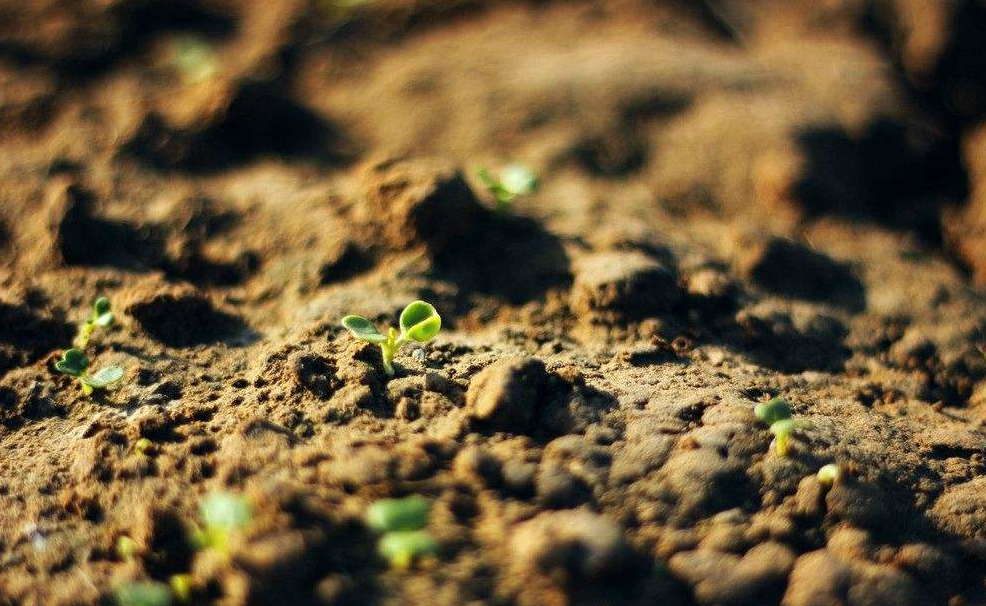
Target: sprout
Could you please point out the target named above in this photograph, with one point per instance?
(419, 322)
(402, 548)
(143, 445)
(515, 180)
(181, 586)
(783, 430)
(143, 593)
(126, 548)
(829, 474)
(388, 515)
(75, 363)
(222, 514)
(194, 58)
(100, 316)
(772, 410)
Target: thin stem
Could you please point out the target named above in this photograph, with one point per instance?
(85, 333)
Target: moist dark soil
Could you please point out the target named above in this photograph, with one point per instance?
(739, 200)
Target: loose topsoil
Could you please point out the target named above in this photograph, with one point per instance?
(739, 200)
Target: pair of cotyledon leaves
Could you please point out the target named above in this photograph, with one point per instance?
(419, 322)
(75, 363)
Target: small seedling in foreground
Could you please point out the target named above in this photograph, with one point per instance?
(829, 474)
(101, 316)
(143, 593)
(515, 180)
(388, 515)
(772, 410)
(419, 322)
(402, 522)
(181, 586)
(783, 430)
(143, 445)
(75, 363)
(222, 514)
(126, 548)
(403, 547)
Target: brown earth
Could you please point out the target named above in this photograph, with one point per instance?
(740, 200)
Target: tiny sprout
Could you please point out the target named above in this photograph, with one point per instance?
(194, 58)
(389, 515)
(75, 363)
(181, 586)
(829, 474)
(402, 548)
(772, 410)
(222, 514)
(419, 322)
(101, 316)
(783, 430)
(143, 445)
(126, 548)
(143, 593)
(515, 180)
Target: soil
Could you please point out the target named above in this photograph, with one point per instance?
(739, 200)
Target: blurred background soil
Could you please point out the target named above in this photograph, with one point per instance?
(739, 199)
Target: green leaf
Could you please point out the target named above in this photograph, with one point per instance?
(420, 321)
(403, 547)
(73, 362)
(518, 180)
(772, 410)
(388, 515)
(143, 593)
(363, 329)
(103, 378)
(225, 511)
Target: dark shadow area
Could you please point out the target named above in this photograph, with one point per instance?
(506, 256)
(187, 320)
(84, 239)
(25, 337)
(126, 30)
(258, 121)
(892, 174)
(794, 270)
(15, 411)
(775, 342)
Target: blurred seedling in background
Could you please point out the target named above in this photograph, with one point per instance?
(75, 363)
(101, 316)
(419, 322)
(829, 474)
(401, 523)
(776, 413)
(143, 593)
(514, 180)
(222, 515)
(126, 548)
(193, 58)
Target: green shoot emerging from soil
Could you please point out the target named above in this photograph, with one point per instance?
(419, 322)
(829, 474)
(776, 413)
(143, 593)
(193, 58)
(75, 363)
(515, 180)
(402, 522)
(222, 515)
(101, 316)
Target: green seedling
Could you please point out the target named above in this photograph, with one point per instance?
(419, 322)
(772, 410)
(143, 445)
(222, 515)
(101, 316)
(783, 430)
(143, 593)
(194, 58)
(403, 547)
(181, 586)
(829, 474)
(515, 180)
(389, 515)
(75, 363)
(126, 548)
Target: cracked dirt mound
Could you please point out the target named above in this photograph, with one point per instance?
(739, 200)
